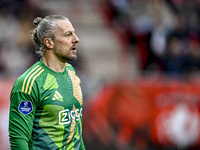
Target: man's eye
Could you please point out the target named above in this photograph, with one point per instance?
(67, 35)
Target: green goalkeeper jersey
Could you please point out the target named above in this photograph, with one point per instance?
(46, 110)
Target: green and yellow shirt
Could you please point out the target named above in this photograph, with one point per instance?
(46, 110)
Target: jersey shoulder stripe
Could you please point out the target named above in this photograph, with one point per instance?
(27, 77)
(30, 78)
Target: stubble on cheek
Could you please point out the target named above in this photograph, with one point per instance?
(67, 55)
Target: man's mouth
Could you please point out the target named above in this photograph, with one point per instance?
(73, 48)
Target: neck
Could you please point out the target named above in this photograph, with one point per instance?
(53, 63)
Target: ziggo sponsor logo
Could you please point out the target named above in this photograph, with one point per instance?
(66, 116)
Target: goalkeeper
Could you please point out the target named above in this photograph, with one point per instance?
(46, 101)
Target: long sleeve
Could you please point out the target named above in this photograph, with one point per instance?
(19, 144)
(22, 110)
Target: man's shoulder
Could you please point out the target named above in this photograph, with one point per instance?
(32, 71)
(29, 77)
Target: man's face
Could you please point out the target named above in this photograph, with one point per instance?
(65, 41)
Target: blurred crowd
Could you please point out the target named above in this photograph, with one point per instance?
(164, 34)
(17, 52)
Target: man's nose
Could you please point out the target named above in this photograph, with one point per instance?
(76, 39)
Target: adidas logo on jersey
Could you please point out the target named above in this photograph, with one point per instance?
(57, 96)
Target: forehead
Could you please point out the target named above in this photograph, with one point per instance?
(64, 26)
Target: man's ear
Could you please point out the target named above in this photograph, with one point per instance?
(48, 43)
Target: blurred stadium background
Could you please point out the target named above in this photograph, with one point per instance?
(139, 63)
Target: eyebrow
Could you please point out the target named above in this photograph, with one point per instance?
(69, 31)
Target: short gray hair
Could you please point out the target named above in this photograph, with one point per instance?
(45, 28)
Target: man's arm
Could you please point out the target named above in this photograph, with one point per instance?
(19, 144)
(22, 110)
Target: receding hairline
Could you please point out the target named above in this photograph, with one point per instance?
(59, 26)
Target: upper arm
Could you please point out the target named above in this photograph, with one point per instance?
(21, 117)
